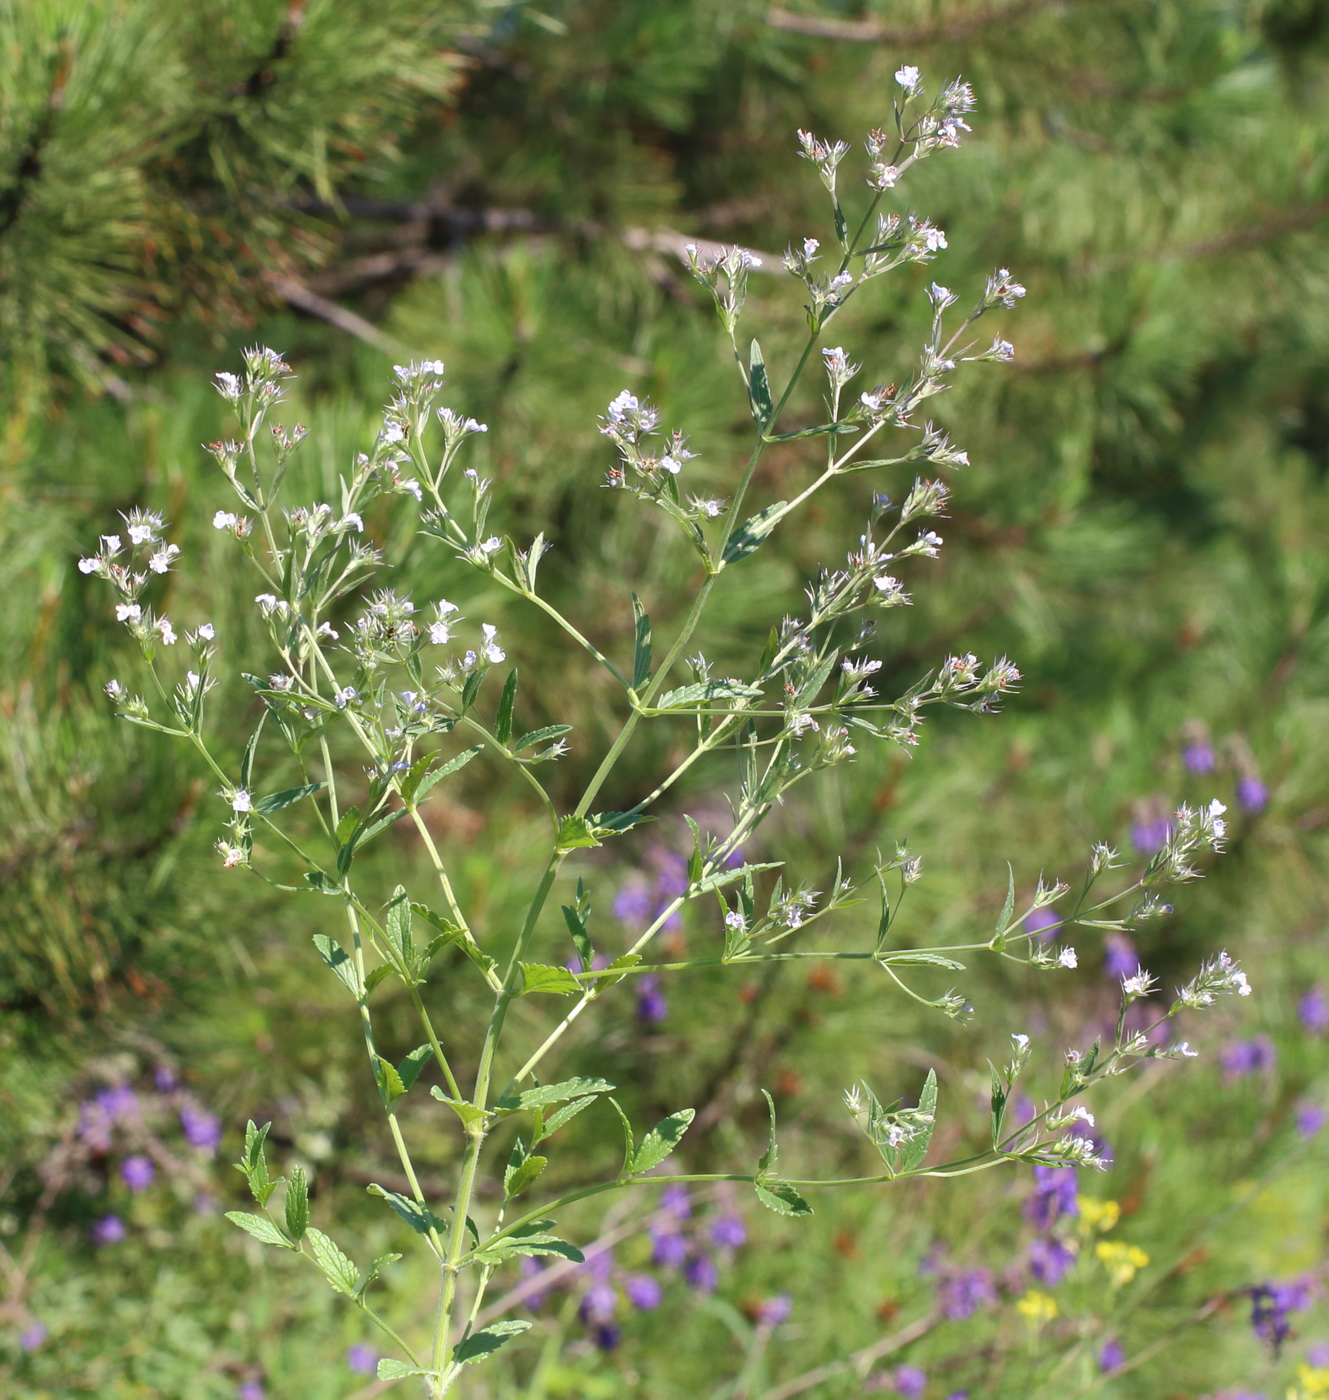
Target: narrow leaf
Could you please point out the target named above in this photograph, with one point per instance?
(274, 802)
(563, 1115)
(704, 692)
(641, 650)
(770, 1158)
(409, 1069)
(340, 962)
(1008, 907)
(486, 1342)
(420, 1218)
(759, 387)
(916, 1148)
(337, 1268)
(503, 720)
(661, 1140)
(259, 1226)
(749, 535)
(297, 1203)
(782, 1198)
(540, 736)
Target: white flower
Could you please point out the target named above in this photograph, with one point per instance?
(735, 920)
(934, 239)
(161, 560)
(1138, 985)
(110, 546)
(411, 487)
(344, 696)
(493, 653)
(671, 464)
(1081, 1115)
(279, 682)
(352, 521)
(908, 77)
(165, 631)
(488, 546)
(810, 246)
(1021, 1041)
(703, 506)
(115, 690)
(128, 612)
(439, 634)
(624, 404)
(91, 565)
(231, 855)
(269, 603)
(392, 432)
(140, 533)
(884, 177)
(1240, 985)
(240, 800)
(801, 723)
(1067, 958)
(1182, 1050)
(228, 385)
(326, 629)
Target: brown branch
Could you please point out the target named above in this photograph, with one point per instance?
(857, 1361)
(306, 299)
(875, 31)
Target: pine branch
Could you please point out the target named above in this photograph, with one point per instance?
(30, 161)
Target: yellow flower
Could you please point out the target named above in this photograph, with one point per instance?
(1097, 1216)
(1122, 1261)
(1037, 1307)
(1312, 1384)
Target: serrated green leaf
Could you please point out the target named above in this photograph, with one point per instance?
(998, 1106)
(297, 1203)
(518, 1176)
(539, 736)
(487, 1341)
(913, 1152)
(920, 957)
(704, 692)
(1009, 906)
(336, 1267)
(397, 927)
(616, 823)
(390, 1369)
(574, 832)
(641, 647)
(503, 719)
(390, 1087)
(420, 1218)
(471, 688)
(368, 1275)
(337, 958)
(556, 1120)
(759, 388)
(467, 1112)
(718, 879)
(453, 765)
(661, 1140)
(544, 1094)
(274, 802)
(409, 1069)
(541, 977)
(771, 1157)
(514, 1245)
(748, 536)
(630, 1144)
(259, 1226)
(782, 1198)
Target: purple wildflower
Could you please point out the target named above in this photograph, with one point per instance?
(1112, 1355)
(109, 1229)
(910, 1382)
(1252, 795)
(119, 1102)
(1313, 1011)
(1050, 1260)
(1148, 834)
(250, 1390)
(598, 1304)
(728, 1232)
(1271, 1307)
(1317, 1355)
(676, 1200)
(633, 903)
(164, 1078)
(94, 1126)
(668, 1248)
(1311, 1118)
(1120, 958)
(1043, 923)
(1054, 1196)
(1243, 1057)
(362, 1359)
(775, 1310)
(202, 1129)
(963, 1291)
(607, 1336)
(702, 1274)
(137, 1172)
(1198, 756)
(644, 1292)
(32, 1336)
(652, 1008)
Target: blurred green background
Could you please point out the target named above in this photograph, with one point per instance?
(1144, 528)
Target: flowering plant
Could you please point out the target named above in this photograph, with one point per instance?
(374, 701)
